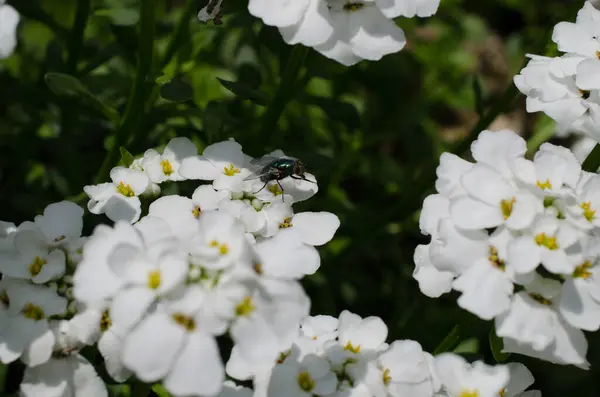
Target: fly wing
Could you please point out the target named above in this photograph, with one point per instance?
(258, 167)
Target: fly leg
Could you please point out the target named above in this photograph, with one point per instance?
(263, 186)
(302, 178)
(281, 187)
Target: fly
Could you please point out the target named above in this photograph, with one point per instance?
(269, 168)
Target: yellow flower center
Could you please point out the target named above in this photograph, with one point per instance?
(283, 356)
(544, 185)
(33, 312)
(469, 393)
(495, 259)
(582, 271)
(167, 168)
(186, 322)
(546, 241)
(275, 189)
(588, 212)
(287, 222)
(214, 243)
(501, 392)
(154, 279)
(506, 207)
(105, 321)
(196, 211)
(245, 307)
(4, 298)
(231, 170)
(540, 299)
(352, 7)
(125, 190)
(387, 378)
(258, 269)
(351, 348)
(36, 266)
(223, 249)
(305, 382)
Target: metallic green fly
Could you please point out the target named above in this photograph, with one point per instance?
(269, 168)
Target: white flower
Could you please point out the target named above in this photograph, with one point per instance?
(185, 356)
(222, 163)
(460, 378)
(492, 201)
(360, 336)
(546, 244)
(26, 333)
(278, 13)
(432, 282)
(38, 252)
(230, 389)
(182, 213)
(220, 243)
(67, 373)
(361, 30)
(320, 328)
(405, 371)
(9, 20)
(119, 199)
(310, 376)
(449, 173)
(165, 167)
(534, 327)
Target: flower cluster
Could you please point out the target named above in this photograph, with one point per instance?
(348, 356)
(566, 87)
(519, 240)
(347, 31)
(9, 20)
(154, 292)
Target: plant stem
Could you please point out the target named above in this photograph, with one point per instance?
(135, 106)
(182, 32)
(77, 32)
(285, 90)
(592, 161)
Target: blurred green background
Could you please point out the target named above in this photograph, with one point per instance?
(372, 133)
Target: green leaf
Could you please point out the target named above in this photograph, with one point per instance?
(449, 341)
(64, 84)
(177, 90)
(126, 157)
(496, 345)
(243, 91)
(120, 16)
(160, 390)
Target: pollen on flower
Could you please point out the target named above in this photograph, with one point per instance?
(352, 348)
(4, 298)
(231, 170)
(588, 212)
(544, 185)
(125, 190)
(275, 189)
(33, 312)
(59, 239)
(352, 7)
(167, 168)
(283, 356)
(213, 243)
(287, 222)
(582, 271)
(258, 269)
(105, 321)
(495, 259)
(154, 279)
(186, 322)
(469, 393)
(502, 392)
(196, 211)
(598, 54)
(36, 266)
(549, 242)
(506, 207)
(540, 299)
(387, 378)
(245, 307)
(223, 249)
(305, 382)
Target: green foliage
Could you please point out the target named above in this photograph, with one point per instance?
(372, 134)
